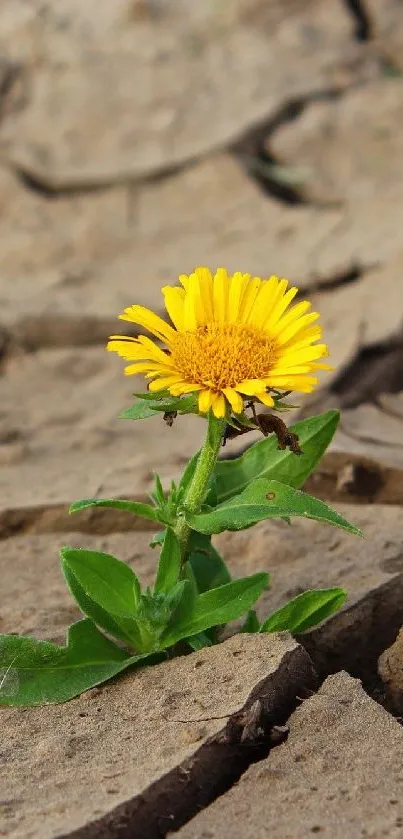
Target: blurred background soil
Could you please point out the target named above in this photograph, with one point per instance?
(140, 138)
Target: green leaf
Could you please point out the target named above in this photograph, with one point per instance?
(157, 539)
(197, 642)
(211, 498)
(165, 402)
(264, 499)
(169, 564)
(146, 406)
(216, 607)
(146, 511)
(158, 496)
(180, 615)
(188, 474)
(251, 623)
(206, 570)
(156, 611)
(209, 569)
(305, 611)
(38, 672)
(264, 459)
(141, 409)
(148, 396)
(105, 579)
(125, 629)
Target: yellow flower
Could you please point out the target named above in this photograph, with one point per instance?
(234, 337)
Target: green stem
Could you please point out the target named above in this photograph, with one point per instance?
(198, 486)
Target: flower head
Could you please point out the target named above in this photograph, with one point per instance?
(232, 338)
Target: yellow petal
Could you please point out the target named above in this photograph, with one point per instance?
(320, 365)
(163, 383)
(287, 370)
(296, 312)
(304, 338)
(303, 355)
(150, 321)
(265, 398)
(205, 401)
(220, 295)
(234, 399)
(190, 306)
(302, 383)
(295, 328)
(150, 350)
(250, 386)
(205, 281)
(184, 387)
(218, 405)
(184, 280)
(238, 284)
(249, 298)
(135, 369)
(124, 338)
(264, 301)
(281, 304)
(174, 304)
(195, 292)
(137, 352)
(129, 350)
(265, 305)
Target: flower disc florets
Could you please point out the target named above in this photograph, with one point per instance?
(232, 337)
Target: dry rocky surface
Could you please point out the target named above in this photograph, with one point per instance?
(118, 751)
(266, 137)
(341, 760)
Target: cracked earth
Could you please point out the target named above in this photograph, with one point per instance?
(137, 140)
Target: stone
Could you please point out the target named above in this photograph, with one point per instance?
(364, 313)
(349, 149)
(390, 668)
(136, 753)
(53, 252)
(387, 32)
(210, 213)
(355, 479)
(339, 773)
(45, 610)
(348, 155)
(368, 430)
(86, 257)
(310, 555)
(201, 79)
(63, 406)
(89, 256)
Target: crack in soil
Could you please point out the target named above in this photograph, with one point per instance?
(364, 27)
(50, 188)
(248, 737)
(351, 275)
(354, 639)
(43, 331)
(351, 641)
(340, 477)
(374, 370)
(250, 142)
(40, 332)
(55, 518)
(274, 177)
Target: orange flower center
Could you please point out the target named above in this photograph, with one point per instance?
(222, 355)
